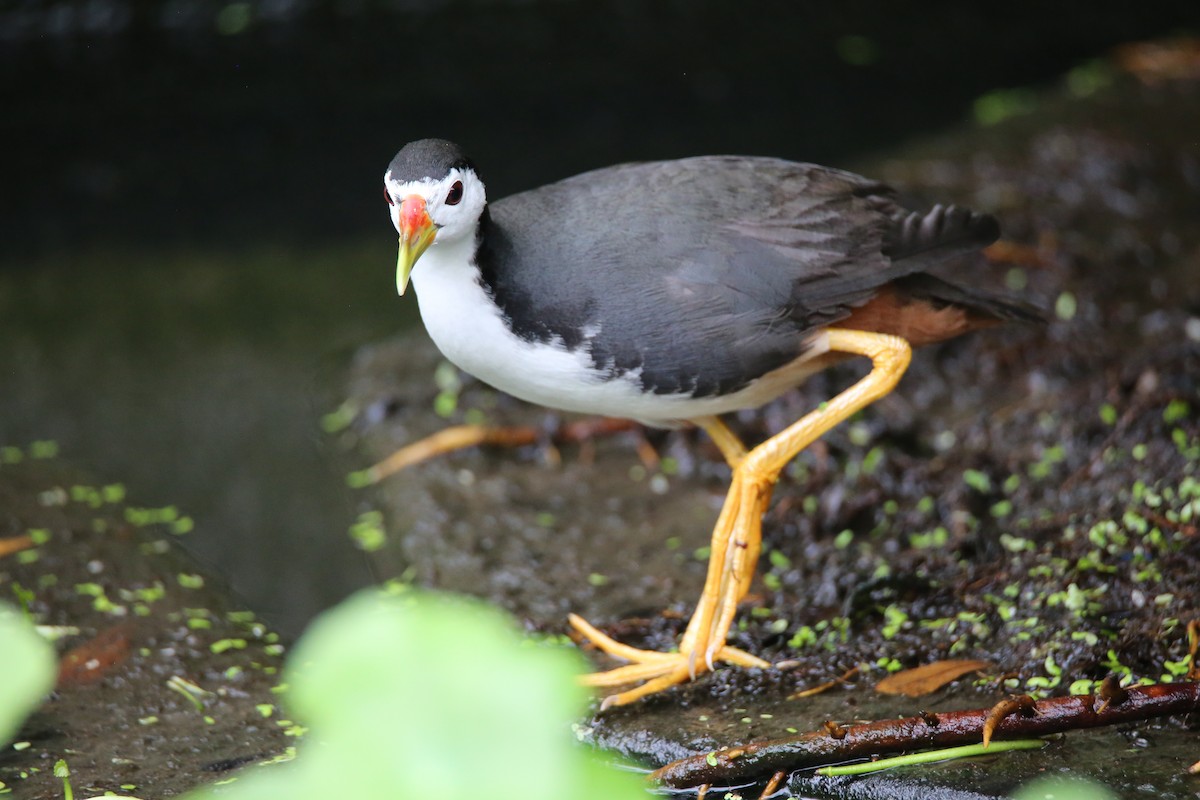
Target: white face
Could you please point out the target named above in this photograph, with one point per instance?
(454, 203)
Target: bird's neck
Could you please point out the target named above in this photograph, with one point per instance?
(487, 233)
(461, 315)
(450, 262)
(449, 290)
(494, 259)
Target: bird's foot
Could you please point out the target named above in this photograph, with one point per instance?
(652, 670)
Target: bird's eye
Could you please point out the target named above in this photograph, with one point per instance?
(454, 196)
(387, 197)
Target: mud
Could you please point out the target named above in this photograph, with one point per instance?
(165, 679)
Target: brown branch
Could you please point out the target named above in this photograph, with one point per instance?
(1056, 715)
(15, 544)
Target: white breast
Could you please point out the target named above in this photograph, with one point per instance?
(469, 330)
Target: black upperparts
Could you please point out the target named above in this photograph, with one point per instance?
(704, 274)
(428, 158)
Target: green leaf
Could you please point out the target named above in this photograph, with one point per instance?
(417, 695)
(1063, 788)
(979, 481)
(26, 670)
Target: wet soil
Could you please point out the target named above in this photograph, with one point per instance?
(165, 679)
(1028, 496)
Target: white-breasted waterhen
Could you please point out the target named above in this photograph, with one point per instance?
(673, 292)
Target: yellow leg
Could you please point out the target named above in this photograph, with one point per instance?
(737, 537)
(726, 440)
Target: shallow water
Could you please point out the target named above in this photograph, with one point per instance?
(199, 380)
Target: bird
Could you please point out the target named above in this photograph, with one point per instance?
(671, 293)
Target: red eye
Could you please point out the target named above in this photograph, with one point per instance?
(454, 196)
(387, 196)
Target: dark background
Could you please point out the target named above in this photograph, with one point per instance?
(189, 121)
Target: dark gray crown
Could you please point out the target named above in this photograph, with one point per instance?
(428, 158)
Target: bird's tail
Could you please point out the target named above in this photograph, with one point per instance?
(987, 304)
(938, 234)
(920, 243)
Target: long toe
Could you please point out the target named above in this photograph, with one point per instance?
(652, 670)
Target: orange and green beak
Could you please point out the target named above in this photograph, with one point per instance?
(417, 232)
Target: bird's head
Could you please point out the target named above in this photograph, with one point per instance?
(434, 196)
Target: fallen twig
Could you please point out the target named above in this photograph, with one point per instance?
(1056, 715)
(15, 544)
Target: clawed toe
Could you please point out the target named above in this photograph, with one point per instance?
(652, 670)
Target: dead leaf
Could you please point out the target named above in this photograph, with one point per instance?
(15, 544)
(1155, 62)
(1022, 255)
(928, 678)
(92, 660)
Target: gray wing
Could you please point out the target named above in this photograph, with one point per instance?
(702, 274)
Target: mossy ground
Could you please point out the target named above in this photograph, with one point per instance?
(165, 680)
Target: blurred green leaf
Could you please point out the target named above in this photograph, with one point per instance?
(417, 695)
(1063, 788)
(999, 105)
(26, 670)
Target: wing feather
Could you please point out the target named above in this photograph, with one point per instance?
(702, 274)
